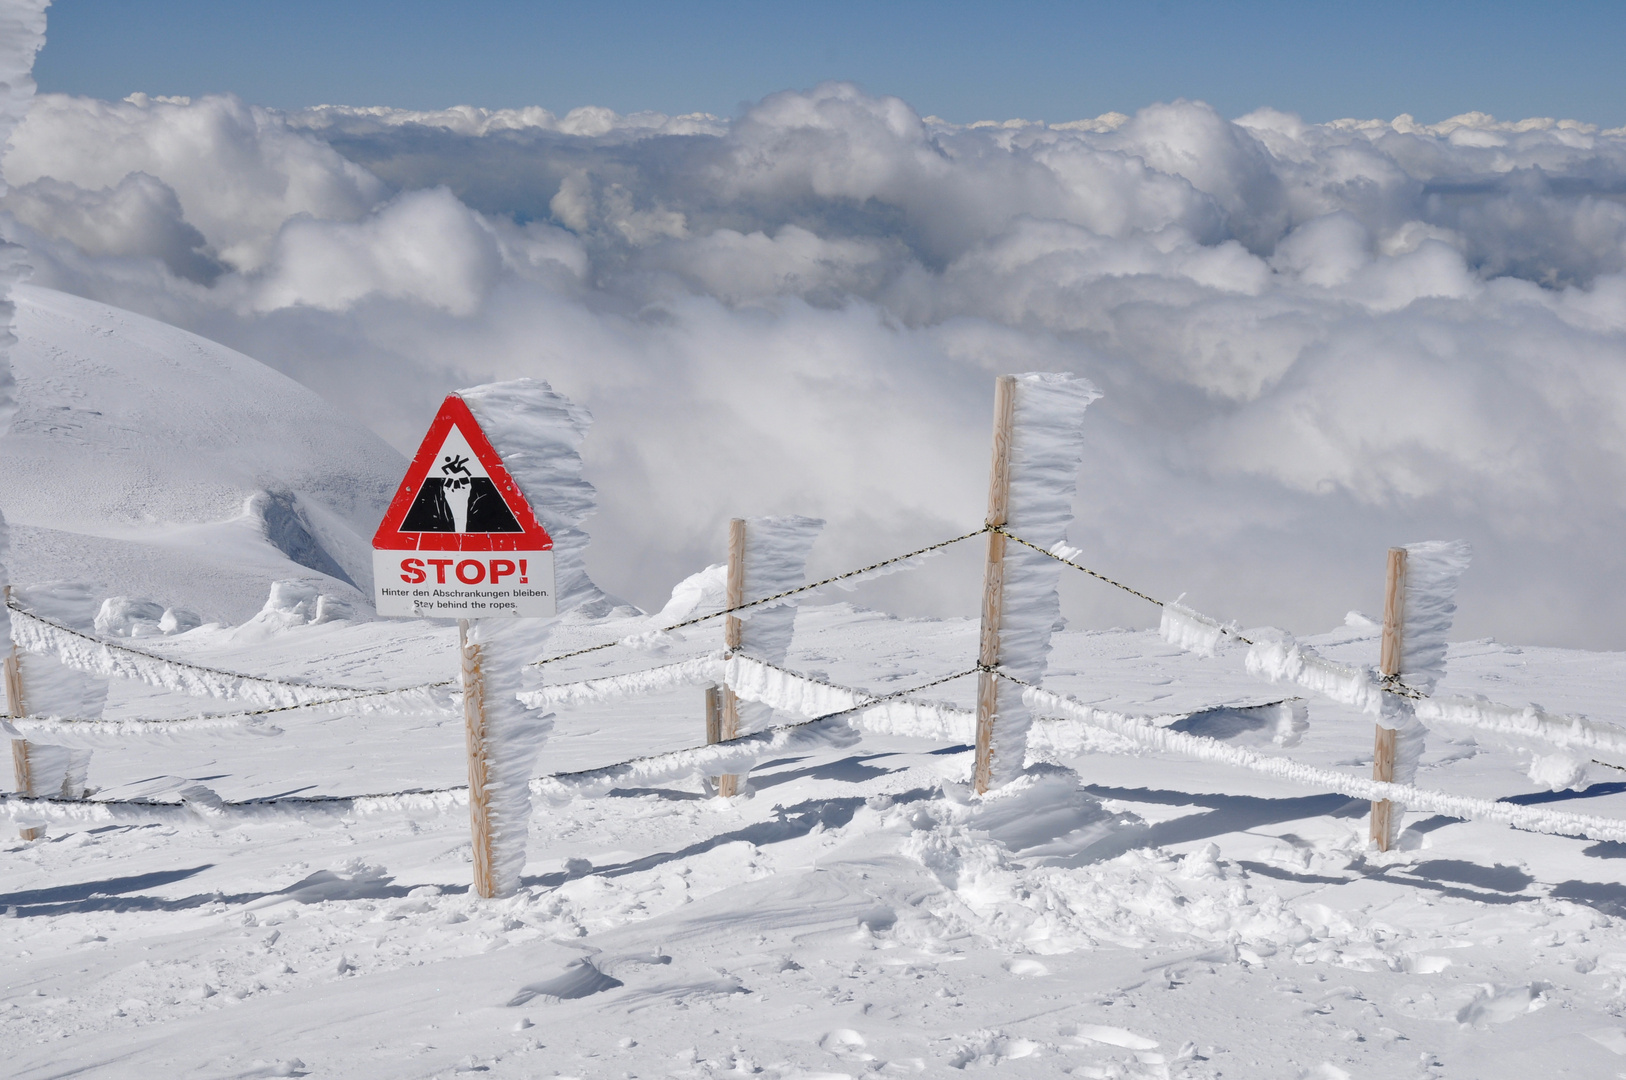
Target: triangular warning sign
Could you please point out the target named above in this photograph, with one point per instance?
(458, 496)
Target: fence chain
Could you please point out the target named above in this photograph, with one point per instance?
(768, 599)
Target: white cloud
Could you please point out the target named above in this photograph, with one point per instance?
(238, 171)
(1315, 340)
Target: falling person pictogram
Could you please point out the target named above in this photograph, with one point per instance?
(459, 501)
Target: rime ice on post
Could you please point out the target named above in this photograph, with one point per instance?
(1416, 623)
(767, 556)
(538, 434)
(1035, 477)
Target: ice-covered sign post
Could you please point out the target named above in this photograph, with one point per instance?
(483, 529)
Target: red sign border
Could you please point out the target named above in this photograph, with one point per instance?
(389, 537)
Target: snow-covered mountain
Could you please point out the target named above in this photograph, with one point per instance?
(148, 461)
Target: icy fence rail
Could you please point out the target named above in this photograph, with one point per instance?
(851, 714)
(1277, 658)
(97, 656)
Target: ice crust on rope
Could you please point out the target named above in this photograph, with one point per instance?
(1169, 741)
(801, 696)
(700, 672)
(83, 653)
(1047, 448)
(735, 757)
(1190, 630)
(85, 729)
(1433, 569)
(1065, 719)
(538, 434)
(1277, 657)
(1560, 746)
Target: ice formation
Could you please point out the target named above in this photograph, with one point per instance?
(1433, 569)
(514, 734)
(1190, 630)
(54, 772)
(659, 680)
(1047, 447)
(1428, 607)
(736, 757)
(1276, 656)
(776, 551)
(1561, 750)
(1168, 740)
(52, 689)
(87, 654)
(538, 434)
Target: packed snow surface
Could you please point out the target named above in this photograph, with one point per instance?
(1134, 905)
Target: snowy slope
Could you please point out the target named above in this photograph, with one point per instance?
(147, 461)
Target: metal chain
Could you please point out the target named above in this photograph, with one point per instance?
(767, 599)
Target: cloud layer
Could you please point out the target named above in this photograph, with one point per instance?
(1315, 341)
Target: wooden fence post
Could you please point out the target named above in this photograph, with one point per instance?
(1383, 754)
(21, 769)
(993, 579)
(714, 715)
(733, 630)
(474, 728)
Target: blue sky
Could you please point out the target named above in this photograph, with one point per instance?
(962, 61)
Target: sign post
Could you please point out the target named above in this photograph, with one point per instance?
(460, 541)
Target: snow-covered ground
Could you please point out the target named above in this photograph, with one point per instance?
(1112, 914)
